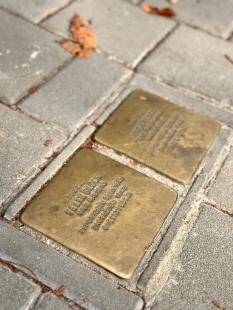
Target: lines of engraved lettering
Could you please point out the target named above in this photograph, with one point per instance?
(108, 208)
(156, 128)
(74, 190)
(135, 118)
(92, 189)
(91, 216)
(161, 137)
(151, 124)
(112, 189)
(116, 211)
(110, 205)
(142, 123)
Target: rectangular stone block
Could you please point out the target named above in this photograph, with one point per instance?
(27, 57)
(49, 301)
(82, 285)
(95, 200)
(34, 11)
(160, 134)
(16, 292)
(210, 16)
(115, 23)
(193, 60)
(22, 150)
(222, 188)
(73, 94)
(201, 274)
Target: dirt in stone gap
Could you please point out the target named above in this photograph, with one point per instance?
(84, 39)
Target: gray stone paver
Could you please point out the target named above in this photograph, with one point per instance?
(203, 272)
(26, 57)
(115, 24)
(34, 11)
(16, 292)
(86, 288)
(48, 173)
(70, 96)
(22, 149)
(222, 189)
(48, 301)
(194, 61)
(211, 16)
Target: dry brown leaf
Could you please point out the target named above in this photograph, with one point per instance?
(217, 304)
(73, 48)
(85, 40)
(142, 98)
(60, 291)
(163, 11)
(47, 142)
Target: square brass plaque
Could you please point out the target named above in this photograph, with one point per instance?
(160, 134)
(101, 209)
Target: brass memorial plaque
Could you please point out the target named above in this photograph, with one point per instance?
(101, 209)
(160, 134)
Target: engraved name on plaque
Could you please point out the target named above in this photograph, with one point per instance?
(160, 134)
(102, 210)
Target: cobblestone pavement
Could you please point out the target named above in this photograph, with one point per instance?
(47, 94)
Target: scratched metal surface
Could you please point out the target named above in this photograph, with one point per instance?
(160, 134)
(126, 210)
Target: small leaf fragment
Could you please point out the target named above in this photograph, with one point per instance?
(217, 304)
(48, 142)
(169, 12)
(60, 291)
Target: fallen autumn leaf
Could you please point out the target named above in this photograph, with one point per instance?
(60, 291)
(163, 11)
(84, 39)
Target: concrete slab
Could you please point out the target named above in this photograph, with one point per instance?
(34, 11)
(203, 272)
(73, 94)
(22, 150)
(16, 292)
(211, 16)
(85, 287)
(48, 301)
(26, 57)
(222, 189)
(115, 24)
(195, 61)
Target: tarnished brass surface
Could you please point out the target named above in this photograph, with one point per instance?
(160, 134)
(101, 209)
